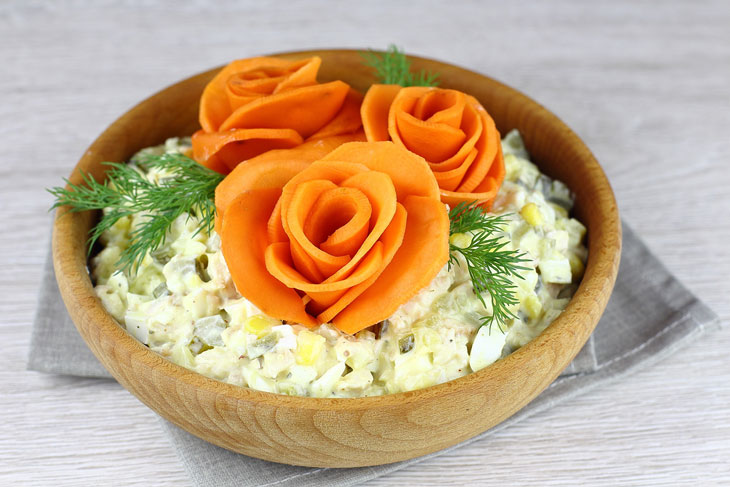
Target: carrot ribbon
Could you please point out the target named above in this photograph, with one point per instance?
(259, 104)
(448, 128)
(345, 239)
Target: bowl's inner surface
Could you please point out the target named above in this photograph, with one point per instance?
(347, 432)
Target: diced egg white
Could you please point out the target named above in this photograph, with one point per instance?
(183, 304)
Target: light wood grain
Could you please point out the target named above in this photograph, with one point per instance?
(345, 432)
(644, 84)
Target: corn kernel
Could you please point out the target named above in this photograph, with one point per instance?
(532, 215)
(533, 306)
(309, 346)
(577, 267)
(258, 325)
(460, 240)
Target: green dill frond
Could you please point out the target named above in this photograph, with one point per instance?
(469, 217)
(189, 188)
(490, 266)
(393, 68)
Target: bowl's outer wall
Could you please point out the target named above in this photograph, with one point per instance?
(346, 432)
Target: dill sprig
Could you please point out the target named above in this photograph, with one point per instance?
(393, 68)
(490, 266)
(189, 188)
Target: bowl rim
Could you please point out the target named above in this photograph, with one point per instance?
(90, 306)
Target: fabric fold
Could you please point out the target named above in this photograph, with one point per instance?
(650, 316)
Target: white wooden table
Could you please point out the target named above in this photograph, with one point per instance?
(647, 86)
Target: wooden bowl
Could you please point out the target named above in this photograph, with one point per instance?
(362, 431)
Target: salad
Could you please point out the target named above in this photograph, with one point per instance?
(310, 240)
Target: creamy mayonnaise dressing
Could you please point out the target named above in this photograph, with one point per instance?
(183, 304)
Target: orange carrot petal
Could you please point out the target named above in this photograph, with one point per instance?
(382, 197)
(242, 89)
(303, 198)
(485, 192)
(374, 111)
(389, 227)
(301, 73)
(346, 121)
(255, 174)
(427, 121)
(449, 180)
(488, 146)
(406, 274)
(317, 170)
(339, 221)
(213, 163)
(274, 228)
(214, 104)
(472, 125)
(309, 151)
(280, 264)
(408, 171)
(306, 109)
(433, 142)
(330, 308)
(218, 101)
(243, 243)
(228, 149)
(391, 240)
(326, 305)
(440, 107)
(273, 169)
(371, 265)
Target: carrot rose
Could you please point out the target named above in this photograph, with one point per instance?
(258, 104)
(448, 128)
(346, 239)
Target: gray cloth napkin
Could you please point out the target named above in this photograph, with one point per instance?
(649, 316)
